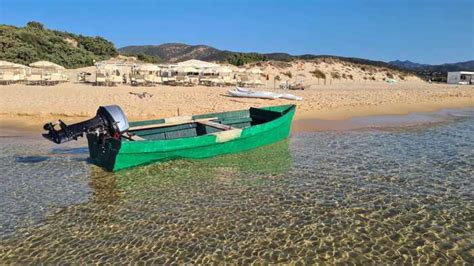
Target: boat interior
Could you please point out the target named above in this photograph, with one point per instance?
(198, 125)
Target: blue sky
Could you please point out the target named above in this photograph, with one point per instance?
(422, 31)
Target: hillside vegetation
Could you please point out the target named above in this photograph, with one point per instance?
(176, 52)
(34, 42)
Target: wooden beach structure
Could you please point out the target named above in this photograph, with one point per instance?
(108, 75)
(46, 73)
(12, 73)
(117, 71)
(145, 75)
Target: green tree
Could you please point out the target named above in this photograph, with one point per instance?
(35, 25)
(239, 59)
(34, 42)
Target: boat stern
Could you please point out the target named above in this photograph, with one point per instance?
(103, 152)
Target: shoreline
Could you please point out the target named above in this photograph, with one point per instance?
(309, 121)
(30, 107)
(401, 109)
(383, 121)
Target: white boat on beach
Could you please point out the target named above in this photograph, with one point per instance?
(246, 93)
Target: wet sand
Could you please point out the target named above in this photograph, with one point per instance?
(382, 122)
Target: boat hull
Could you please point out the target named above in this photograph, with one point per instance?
(115, 155)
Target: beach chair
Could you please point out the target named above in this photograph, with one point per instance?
(228, 80)
(16, 77)
(21, 77)
(46, 79)
(183, 80)
(151, 79)
(244, 81)
(217, 82)
(169, 81)
(158, 79)
(84, 77)
(257, 83)
(205, 81)
(100, 79)
(56, 78)
(34, 79)
(7, 78)
(64, 77)
(138, 80)
(193, 80)
(114, 79)
(180, 79)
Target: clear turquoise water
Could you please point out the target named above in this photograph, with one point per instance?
(388, 194)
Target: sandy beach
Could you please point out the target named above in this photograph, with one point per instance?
(371, 163)
(23, 105)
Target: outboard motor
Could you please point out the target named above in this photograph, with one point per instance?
(110, 121)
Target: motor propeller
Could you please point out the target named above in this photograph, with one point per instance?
(110, 121)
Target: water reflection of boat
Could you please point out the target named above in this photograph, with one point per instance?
(104, 186)
(268, 162)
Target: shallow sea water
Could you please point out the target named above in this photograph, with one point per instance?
(402, 194)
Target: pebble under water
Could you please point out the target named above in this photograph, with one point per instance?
(395, 195)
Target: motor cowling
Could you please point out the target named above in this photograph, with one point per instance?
(110, 121)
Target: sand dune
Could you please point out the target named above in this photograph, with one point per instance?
(330, 70)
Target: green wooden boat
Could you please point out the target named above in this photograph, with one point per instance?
(193, 137)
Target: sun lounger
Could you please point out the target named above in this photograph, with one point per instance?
(217, 82)
(229, 81)
(183, 80)
(113, 80)
(7, 78)
(34, 79)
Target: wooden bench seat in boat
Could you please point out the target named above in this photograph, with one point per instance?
(132, 136)
(172, 123)
(215, 125)
(174, 126)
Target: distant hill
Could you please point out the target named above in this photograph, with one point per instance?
(176, 52)
(34, 42)
(408, 65)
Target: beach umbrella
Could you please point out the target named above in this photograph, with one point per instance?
(6, 64)
(46, 64)
(197, 64)
(10, 65)
(187, 69)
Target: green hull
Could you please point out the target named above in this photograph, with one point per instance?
(253, 128)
